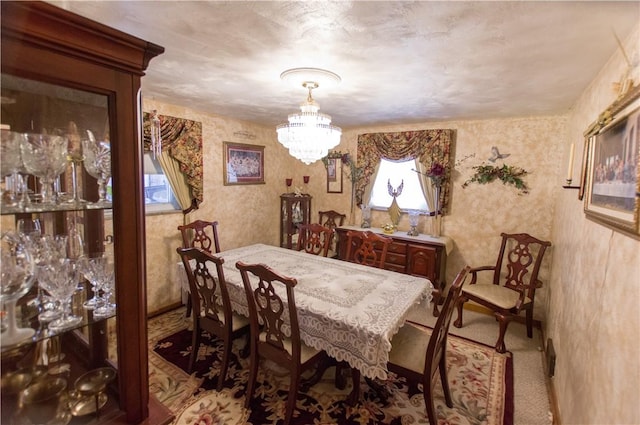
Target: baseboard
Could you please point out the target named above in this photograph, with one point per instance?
(165, 309)
(551, 391)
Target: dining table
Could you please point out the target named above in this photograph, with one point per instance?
(350, 311)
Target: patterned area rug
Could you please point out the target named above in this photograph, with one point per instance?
(481, 383)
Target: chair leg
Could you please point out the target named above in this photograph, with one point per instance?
(503, 320)
(355, 390)
(445, 382)
(340, 381)
(427, 386)
(225, 362)
(195, 345)
(189, 307)
(459, 307)
(529, 320)
(293, 393)
(253, 373)
(437, 294)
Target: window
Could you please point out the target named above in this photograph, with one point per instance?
(158, 196)
(411, 198)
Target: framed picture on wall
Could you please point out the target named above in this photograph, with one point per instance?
(334, 174)
(612, 192)
(243, 164)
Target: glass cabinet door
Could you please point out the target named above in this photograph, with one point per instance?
(58, 339)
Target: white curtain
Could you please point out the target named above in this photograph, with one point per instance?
(366, 196)
(426, 184)
(177, 180)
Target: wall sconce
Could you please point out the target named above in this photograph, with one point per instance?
(305, 179)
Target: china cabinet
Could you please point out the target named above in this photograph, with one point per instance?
(416, 255)
(70, 77)
(294, 210)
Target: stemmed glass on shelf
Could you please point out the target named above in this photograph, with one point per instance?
(97, 162)
(16, 278)
(11, 165)
(60, 279)
(47, 249)
(90, 268)
(45, 156)
(99, 272)
(75, 156)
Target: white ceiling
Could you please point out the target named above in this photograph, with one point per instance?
(400, 61)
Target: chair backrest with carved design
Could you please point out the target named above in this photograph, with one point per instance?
(331, 219)
(209, 294)
(201, 234)
(268, 312)
(518, 263)
(368, 248)
(314, 239)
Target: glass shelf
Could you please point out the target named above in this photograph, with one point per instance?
(29, 318)
(41, 208)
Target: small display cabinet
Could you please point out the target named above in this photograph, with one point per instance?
(294, 210)
(71, 162)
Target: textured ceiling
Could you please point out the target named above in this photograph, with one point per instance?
(400, 62)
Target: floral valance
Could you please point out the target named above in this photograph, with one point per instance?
(429, 146)
(182, 140)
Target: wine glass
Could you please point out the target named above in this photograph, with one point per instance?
(75, 240)
(93, 270)
(75, 156)
(60, 280)
(11, 163)
(27, 227)
(16, 279)
(97, 162)
(105, 307)
(46, 249)
(45, 156)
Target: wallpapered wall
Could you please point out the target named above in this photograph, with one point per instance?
(593, 314)
(250, 214)
(589, 302)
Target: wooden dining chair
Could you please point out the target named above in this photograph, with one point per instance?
(314, 239)
(332, 219)
(211, 305)
(514, 280)
(368, 248)
(418, 353)
(268, 313)
(200, 234)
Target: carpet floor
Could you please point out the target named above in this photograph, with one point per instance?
(481, 383)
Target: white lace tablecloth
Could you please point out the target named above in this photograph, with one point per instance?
(348, 310)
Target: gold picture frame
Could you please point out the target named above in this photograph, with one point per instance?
(612, 175)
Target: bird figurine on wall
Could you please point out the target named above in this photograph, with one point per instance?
(495, 154)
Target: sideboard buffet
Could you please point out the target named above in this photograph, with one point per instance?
(417, 255)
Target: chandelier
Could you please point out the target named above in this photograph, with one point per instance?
(309, 134)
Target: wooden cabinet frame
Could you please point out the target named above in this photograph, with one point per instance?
(45, 43)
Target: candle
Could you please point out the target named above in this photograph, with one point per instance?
(570, 169)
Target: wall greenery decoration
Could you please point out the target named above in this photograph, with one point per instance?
(508, 174)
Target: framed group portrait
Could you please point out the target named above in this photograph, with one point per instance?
(243, 164)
